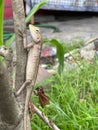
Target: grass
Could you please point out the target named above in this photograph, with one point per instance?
(74, 100)
(73, 44)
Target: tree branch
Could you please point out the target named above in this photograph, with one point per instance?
(91, 40)
(45, 119)
(20, 31)
(21, 53)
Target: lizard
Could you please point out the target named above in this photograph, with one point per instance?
(32, 66)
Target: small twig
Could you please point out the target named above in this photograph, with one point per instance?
(71, 54)
(45, 119)
(66, 55)
(91, 40)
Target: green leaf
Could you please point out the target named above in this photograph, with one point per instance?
(35, 9)
(10, 41)
(60, 54)
(1, 21)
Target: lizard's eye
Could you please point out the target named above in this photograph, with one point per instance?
(37, 30)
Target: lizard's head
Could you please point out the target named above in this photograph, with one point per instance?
(35, 33)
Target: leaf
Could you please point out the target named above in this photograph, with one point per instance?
(35, 9)
(1, 21)
(60, 54)
(10, 41)
(43, 99)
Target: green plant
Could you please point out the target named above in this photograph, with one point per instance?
(74, 100)
(60, 54)
(73, 44)
(35, 9)
(1, 21)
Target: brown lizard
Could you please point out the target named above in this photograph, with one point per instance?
(32, 67)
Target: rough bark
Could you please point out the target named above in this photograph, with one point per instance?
(9, 112)
(20, 31)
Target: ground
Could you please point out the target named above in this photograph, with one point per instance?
(69, 29)
(70, 26)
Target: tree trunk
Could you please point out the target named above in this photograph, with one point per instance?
(9, 112)
(21, 53)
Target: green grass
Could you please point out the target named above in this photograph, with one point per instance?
(74, 100)
(73, 44)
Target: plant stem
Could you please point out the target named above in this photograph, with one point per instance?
(45, 119)
(1, 22)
